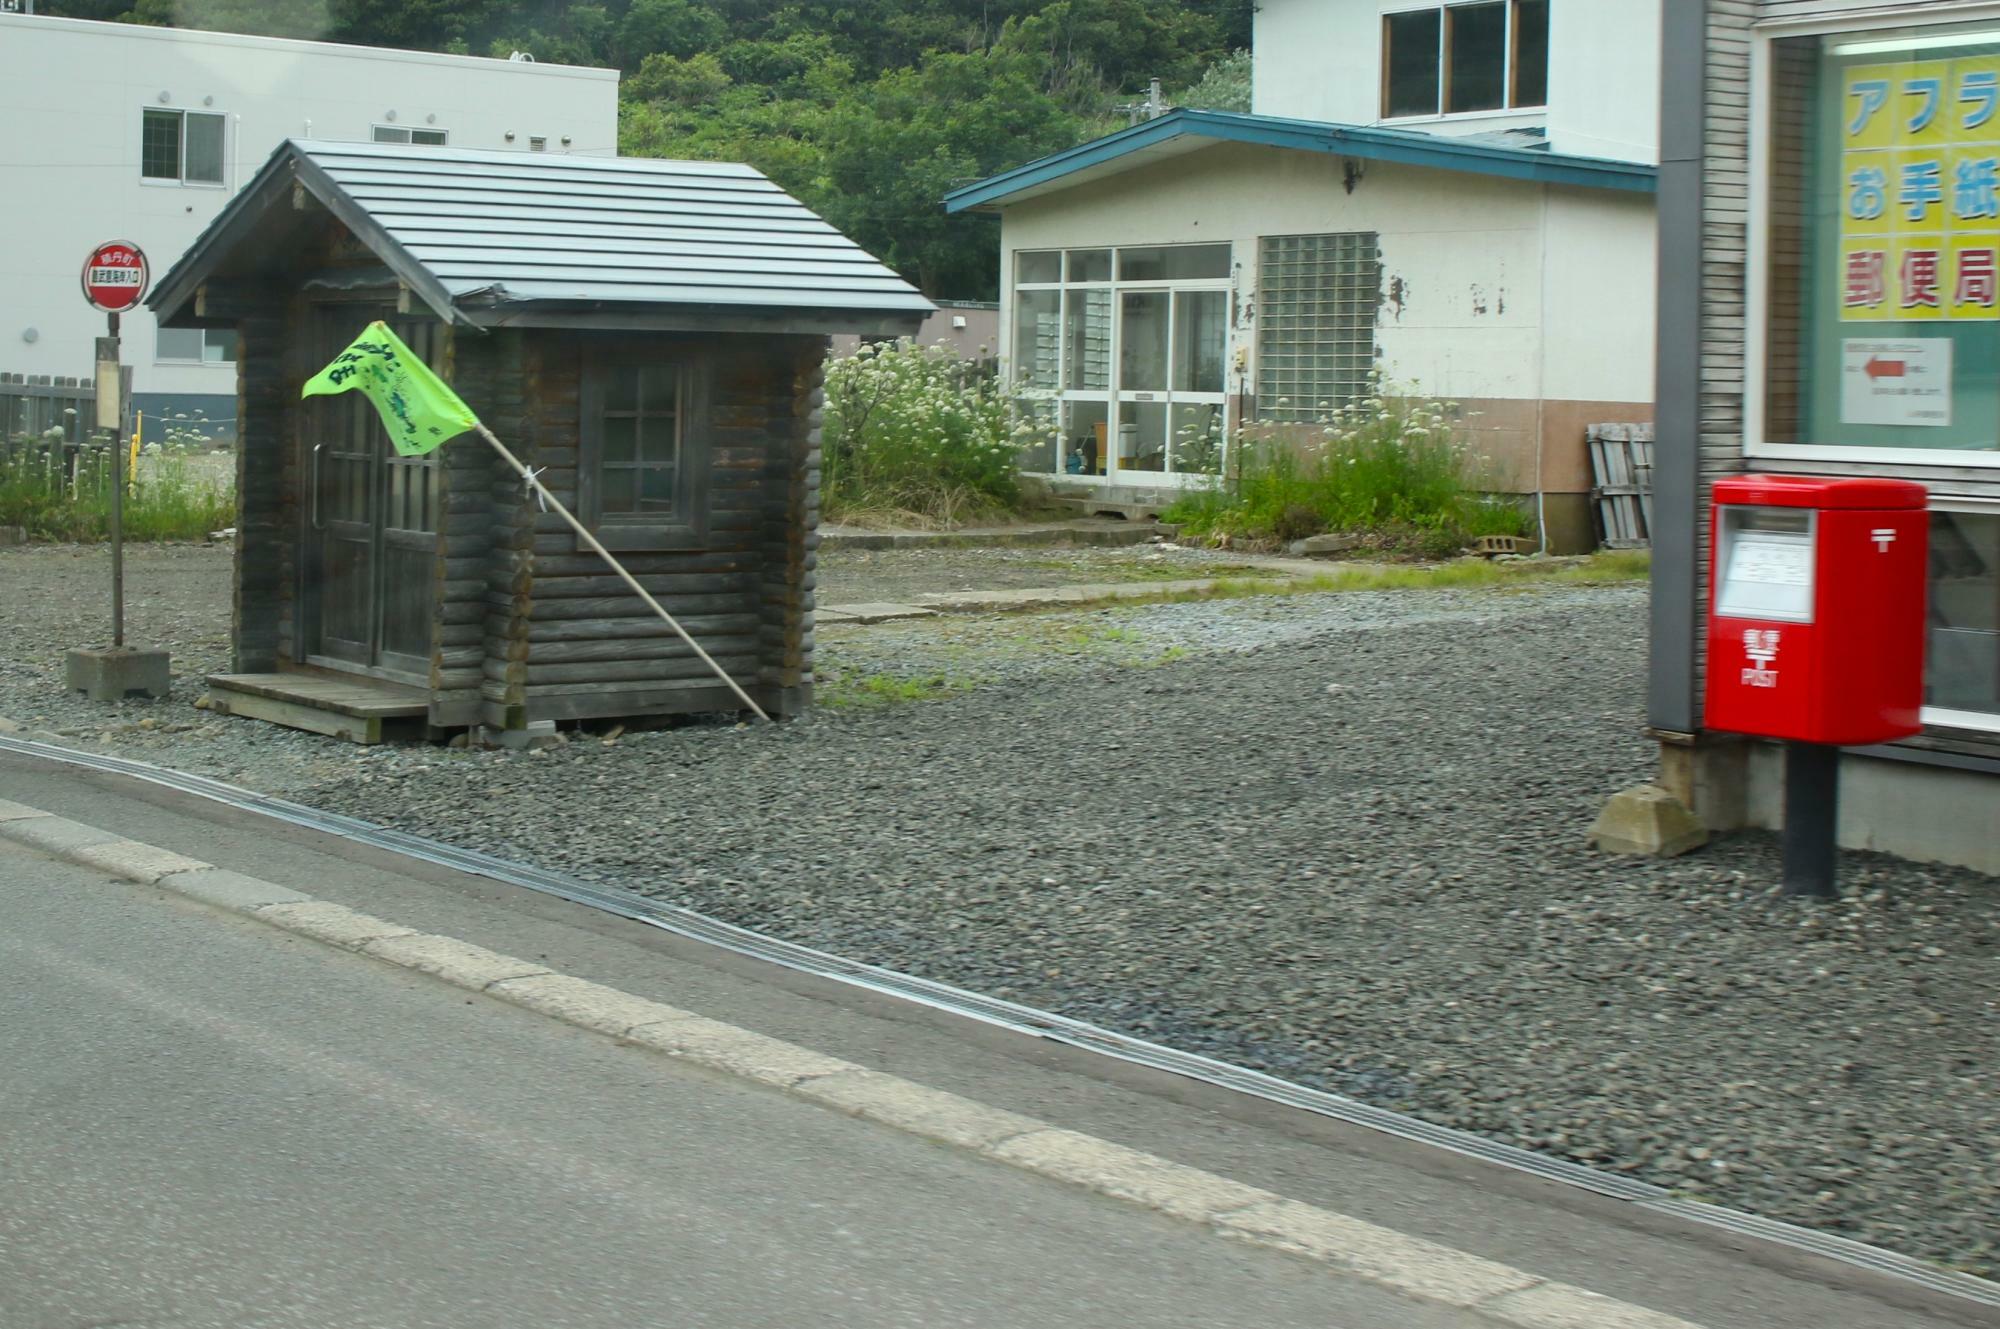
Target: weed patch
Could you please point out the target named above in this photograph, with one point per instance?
(60, 493)
(857, 691)
(1393, 468)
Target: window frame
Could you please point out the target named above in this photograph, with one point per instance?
(1509, 66)
(409, 136)
(1757, 283)
(180, 180)
(688, 527)
(1945, 717)
(206, 334)
(1115, 392)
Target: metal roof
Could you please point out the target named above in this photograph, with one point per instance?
(1185, 130)
(536, 238)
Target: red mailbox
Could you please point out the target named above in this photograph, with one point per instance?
(1816, 608)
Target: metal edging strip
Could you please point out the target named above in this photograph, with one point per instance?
(1024, 1019)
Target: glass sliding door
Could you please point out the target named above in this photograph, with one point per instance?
(1118, 360)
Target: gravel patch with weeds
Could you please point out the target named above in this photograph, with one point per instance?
(1333, 837)
(856, 576)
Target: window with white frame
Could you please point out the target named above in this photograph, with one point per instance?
(1317, 297)
(399, 134)
(1878, 242)
(1117, 359)
(1875, 297)
(1962, 650)
(195, 345)
(181, 146)
(1451, 59)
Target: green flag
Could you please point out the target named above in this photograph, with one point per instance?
(417, 409)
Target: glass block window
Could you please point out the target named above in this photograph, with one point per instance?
(1317, 297)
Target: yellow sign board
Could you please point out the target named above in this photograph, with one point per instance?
(1920, 191)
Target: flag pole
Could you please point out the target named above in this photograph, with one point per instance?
(617, 567)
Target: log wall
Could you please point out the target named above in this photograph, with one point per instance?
(563, 637)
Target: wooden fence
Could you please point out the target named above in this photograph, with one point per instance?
(30, 406)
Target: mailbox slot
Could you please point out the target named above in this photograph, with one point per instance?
(1766, 557)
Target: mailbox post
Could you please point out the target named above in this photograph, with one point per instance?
(1816, 635)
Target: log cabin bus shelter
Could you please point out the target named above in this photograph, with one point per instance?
(647, 336)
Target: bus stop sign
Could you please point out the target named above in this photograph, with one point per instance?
(114, 276)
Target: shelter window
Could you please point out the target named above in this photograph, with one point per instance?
(1451, 59)
(1317, 297)
(182, 146)
(643, 467)
(398, 134)
(196, 345)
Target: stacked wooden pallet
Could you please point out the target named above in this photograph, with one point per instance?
(1621, 469)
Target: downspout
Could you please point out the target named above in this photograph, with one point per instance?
(1677, 383)
(1542, 389)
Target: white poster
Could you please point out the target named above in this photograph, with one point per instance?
(1895, 382)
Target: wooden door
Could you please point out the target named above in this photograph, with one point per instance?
(371, 518)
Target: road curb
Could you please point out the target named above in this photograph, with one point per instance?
(1412, 1266)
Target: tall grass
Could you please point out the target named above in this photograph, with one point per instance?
(916, 435)
(54, 492)
(1394, 468)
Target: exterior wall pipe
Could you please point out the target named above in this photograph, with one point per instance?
(1676, 579)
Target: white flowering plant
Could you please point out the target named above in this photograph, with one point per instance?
(1389, 463)
(916, 432)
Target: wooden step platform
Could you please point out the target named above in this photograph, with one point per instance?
(347, 706)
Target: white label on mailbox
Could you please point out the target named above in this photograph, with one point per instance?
(1765, 574)
(1770, 562)
(1895, 382)
(1760, 647)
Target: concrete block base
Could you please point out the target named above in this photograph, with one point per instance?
(1646, 819)
(113, 674)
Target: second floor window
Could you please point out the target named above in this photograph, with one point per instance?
(1450, 59)
(398, 134)
(181, 145)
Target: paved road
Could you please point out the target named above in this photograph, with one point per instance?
(204, 1122)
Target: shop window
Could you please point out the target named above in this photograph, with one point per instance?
(1962, 653)
(1317, 297)
(1449, 59)
(196, 345)
(643, 463)
(1880, 230)
(183, 146)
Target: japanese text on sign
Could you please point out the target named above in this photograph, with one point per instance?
(1920, 190)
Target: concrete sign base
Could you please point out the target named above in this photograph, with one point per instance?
(115, 673)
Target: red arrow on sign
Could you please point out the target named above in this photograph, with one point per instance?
(1883, 368)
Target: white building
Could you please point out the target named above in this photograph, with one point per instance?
(120, 132)
(1459, 195)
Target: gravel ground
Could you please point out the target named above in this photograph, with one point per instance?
(858, 576)
(1335, 837)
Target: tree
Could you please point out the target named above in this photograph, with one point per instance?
(676, 28)
(1223, 86)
